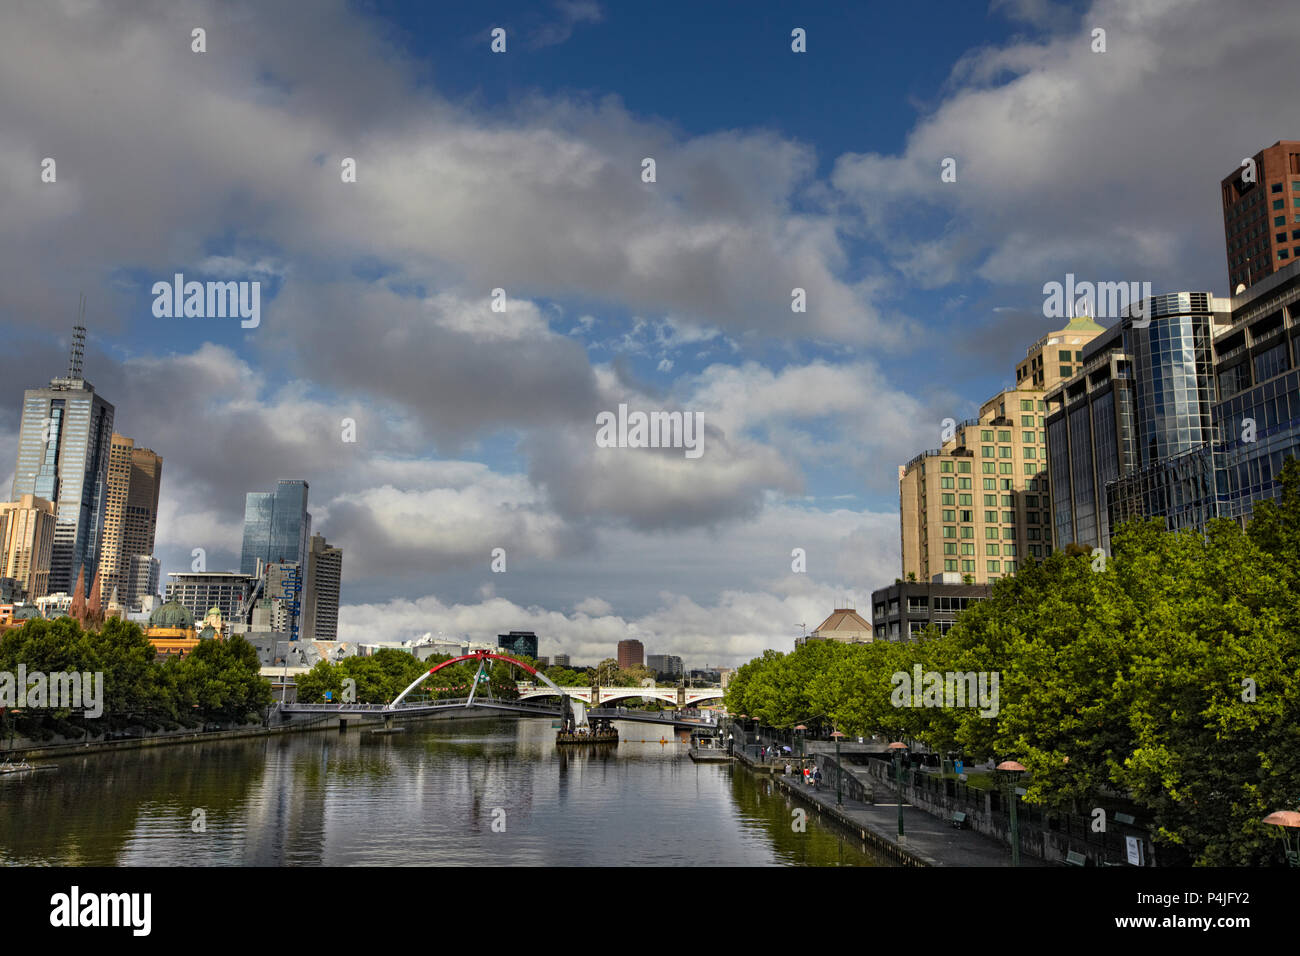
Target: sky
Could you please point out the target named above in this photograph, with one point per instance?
(522, 171)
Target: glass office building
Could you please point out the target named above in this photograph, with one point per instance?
(63, 453)
(277, 527)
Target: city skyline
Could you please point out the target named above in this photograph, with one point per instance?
(474, 429)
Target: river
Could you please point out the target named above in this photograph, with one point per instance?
(483, 792)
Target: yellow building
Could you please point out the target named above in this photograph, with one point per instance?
(171, 630)
(26, 543)
(978, 505)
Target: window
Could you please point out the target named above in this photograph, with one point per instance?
(945, 466)
(1004, 451)
(949, 531)
(1036, 550)
(1283, 254)
(986, 451)
(950, 565)
(1026, 405)
(990, 517)
(1295, 235)
(995, 566)
(949, 499)
(968, 567)
(1028, 438)
(986, 434)
(1279, 220)
(1065, 355)
(1006, 484)
(1034, 534)
(945, 482)
(1008, 500)
(1011, 567)
(1031, 468)
(1279, 203)
(964, 500)
(950, 547)
(1004, 468)
(1078, 356)
(949, 514)
(1031, 453)
(967, 516)
(987, 468)
(963, 483)
(1031, 501)
(968, 549)
(991, 533)
(963, 467)
(991, 549)
(1027, 421)
(1065, 371)
(1009, 550)
(968, 532)
(1280, 237)
(1009, 517)
(1004, 435)
(990, 484)
(990, 501)
(1275, 188)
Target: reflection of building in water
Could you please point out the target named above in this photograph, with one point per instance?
(287, 816)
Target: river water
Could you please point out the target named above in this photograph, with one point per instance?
(463, 792)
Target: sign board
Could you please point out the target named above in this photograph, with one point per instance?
(1134, 846)
(959, 765)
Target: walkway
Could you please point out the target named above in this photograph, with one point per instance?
(929, 840)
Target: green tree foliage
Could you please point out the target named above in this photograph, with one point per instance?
(1171, 676)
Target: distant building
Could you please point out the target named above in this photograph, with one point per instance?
(54, 605)
(197, 591)
(844, 625)
(1261, 218)
(518, 643)
(27, 543)
(277, 530)
(905, 609)
(63, 450)
(631, 653)
(324, 572)
(130, 519)
(666, 664)
(561, 660)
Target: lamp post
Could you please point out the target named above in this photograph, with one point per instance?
(1010, 772)
(1285, 821)
(899, 751)
(839, 770)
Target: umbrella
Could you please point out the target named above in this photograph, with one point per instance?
(785, 748)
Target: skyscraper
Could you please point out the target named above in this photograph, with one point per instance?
(26, 543)
(1261, 213)
(130, 519)
(277, 526)
(63, 453)
(324, 575)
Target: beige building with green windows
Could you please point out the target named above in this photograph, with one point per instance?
(979, 504)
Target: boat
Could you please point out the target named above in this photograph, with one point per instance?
(708, 748)
(575, 729)
(22, 766)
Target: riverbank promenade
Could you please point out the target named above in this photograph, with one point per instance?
(928, 840)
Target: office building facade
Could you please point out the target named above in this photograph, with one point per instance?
(277, 526)
(1261, 214)
(668, 665)
(64, 441)
(518, 643)
(199, 591)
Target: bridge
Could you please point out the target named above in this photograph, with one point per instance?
(400, 709)
(594, 696)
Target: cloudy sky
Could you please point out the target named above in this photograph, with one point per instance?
(522, 170)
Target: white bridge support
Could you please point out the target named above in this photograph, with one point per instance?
(668, 695)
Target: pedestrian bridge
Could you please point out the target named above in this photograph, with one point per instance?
(592, 696)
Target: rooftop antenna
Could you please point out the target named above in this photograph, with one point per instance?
(78, 342)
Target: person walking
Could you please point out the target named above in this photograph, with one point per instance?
(817, 778)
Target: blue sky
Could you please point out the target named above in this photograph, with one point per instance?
(521, 170)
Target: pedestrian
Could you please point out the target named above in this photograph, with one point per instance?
(817, 778)
(787, 769)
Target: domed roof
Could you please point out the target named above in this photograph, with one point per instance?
(171, 614)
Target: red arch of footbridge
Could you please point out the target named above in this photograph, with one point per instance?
(476, 656)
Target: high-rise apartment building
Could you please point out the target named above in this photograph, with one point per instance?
(561, 660)
(26, 544)
(130, 520)
(325, 571)
(978, 505)
(667, 664)
(277, 530)
(1261, 213)
(631, 653)
(63, 452)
